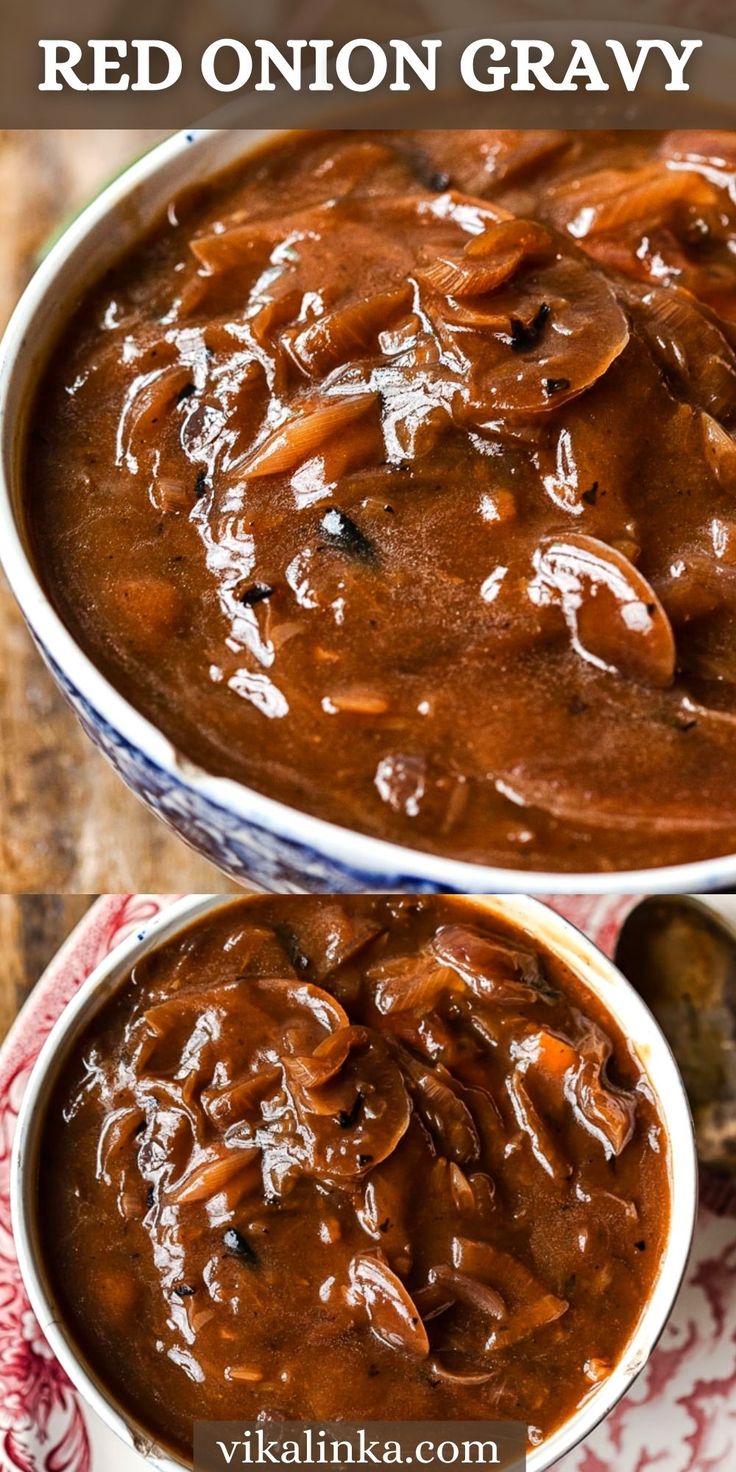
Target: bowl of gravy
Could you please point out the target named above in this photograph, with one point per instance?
(313, 1158)
(370, 495)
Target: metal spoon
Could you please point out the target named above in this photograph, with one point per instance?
(679, 951)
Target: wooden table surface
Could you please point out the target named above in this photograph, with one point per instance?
(32, 927)
(67, 823)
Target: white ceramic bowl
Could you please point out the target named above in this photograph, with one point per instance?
(545, 926)
(261, 842)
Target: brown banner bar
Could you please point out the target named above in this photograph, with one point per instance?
(317, 63)
(317, 1446)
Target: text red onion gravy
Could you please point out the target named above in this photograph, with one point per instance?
(394, 475)
(352, 1158)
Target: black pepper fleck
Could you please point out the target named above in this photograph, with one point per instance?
(339, 531)
(290, 941)
(525, 335)
(255, 594)
(347, 1118)
(236, 1243)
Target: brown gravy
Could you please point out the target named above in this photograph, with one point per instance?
(360, 1158)
(394, 476)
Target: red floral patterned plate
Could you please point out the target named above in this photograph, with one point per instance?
(680, 1415)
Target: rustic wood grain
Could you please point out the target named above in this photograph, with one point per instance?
(32, 927)
(67, 823)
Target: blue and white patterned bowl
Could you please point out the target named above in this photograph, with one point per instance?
(256, 840)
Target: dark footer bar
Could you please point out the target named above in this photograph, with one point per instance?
(315, 1446)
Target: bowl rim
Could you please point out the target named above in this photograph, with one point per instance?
(349, 848)
(549, 928)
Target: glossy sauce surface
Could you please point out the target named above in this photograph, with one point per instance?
(360, 1158)
(394, 475)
